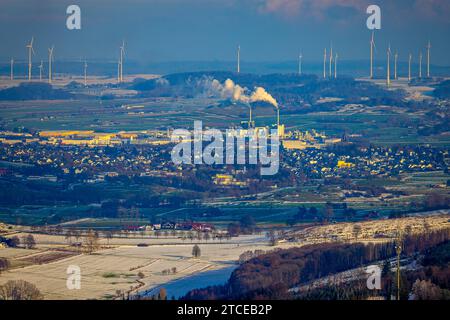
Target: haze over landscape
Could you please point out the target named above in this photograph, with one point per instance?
(224, 150)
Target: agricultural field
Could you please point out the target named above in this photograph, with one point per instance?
(117, 267)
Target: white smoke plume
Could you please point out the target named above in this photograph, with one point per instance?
(236, 93)
(260, 94)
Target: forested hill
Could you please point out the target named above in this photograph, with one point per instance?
(34, 91)
(270, 276)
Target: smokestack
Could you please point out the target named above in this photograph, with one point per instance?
(325, 64)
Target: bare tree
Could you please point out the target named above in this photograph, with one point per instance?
(4, 264)
(29, 241)
(14, 242)
(196, 252)
(19, 290)
(68, 236)
(91, 241)
(356, 231)
(108, 236)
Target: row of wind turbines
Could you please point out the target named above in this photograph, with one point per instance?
(330, 59)
(31, 53)
(332, 72)
(410, 57)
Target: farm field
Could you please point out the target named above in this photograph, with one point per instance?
(121, 265)
(108, 270)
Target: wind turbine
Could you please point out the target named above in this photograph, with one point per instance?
(428, 58)
(85, 73)
(420, 64)
(372, 47)
(300, 58)
(335, 65)
(50, 61)
(239, 59)
(409, 67)
(12, 69)
(41, 66)
(325, 64)
(122, 54)
(331, 60)
(388, 75)
(395, 65)
(118, 71)
(30, 52)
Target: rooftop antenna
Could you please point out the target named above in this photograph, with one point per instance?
(372, 47)
(239, 59)
(409, 67)
(428, 59)
(325, 63)
(335, 65)
(300, 58)
(250, 125)
(388, 75)
(395, 65)
(420, 64)
(331, 60)
(122, 54)
(41, 66)
(30, 52)
(85, 73)
(12, 69)
(50, 62)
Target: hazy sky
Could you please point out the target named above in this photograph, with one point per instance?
(267, 30)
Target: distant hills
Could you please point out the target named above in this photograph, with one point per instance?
(354, 68)
(34, 91)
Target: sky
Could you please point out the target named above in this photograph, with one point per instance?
(210, 30)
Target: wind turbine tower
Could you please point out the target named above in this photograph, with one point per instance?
(239, 59)
(85, 73)
(30, 52)
(331, 61)
(12, 69)
(388, 75)
(41, 66)
(372, 47)
(50, 62)
(428, 58)
(409, 67)
(300, 58)
(325, 64)
(118, 71)
(335, 65)
(420, 64)
(122, 54)
(395, 66)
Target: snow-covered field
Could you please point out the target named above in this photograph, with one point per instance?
(117, 268)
